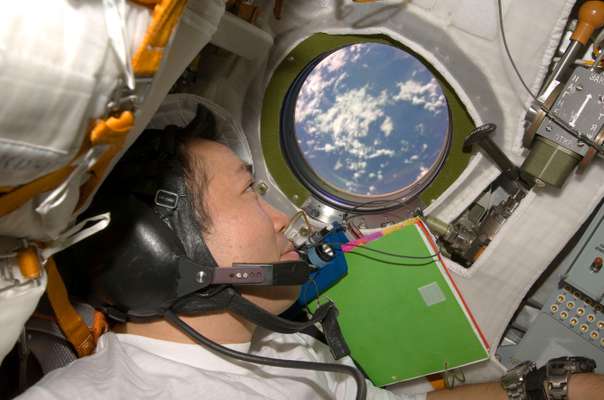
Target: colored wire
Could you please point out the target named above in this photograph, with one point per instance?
(172, 318)
(431, 256)
(380, 260)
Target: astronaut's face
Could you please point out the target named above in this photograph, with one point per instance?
(244, 227)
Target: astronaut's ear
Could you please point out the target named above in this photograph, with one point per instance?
(132, 265)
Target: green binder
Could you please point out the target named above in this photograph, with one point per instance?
(404, 322)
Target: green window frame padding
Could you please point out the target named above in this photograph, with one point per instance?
(315, 45)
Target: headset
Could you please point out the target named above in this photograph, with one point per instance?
(151, 261)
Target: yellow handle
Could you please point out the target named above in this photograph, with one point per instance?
(29, 262)
(591, 17)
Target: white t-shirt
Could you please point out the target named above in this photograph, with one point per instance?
(135, 367)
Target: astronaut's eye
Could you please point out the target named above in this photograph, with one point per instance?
(365, 122)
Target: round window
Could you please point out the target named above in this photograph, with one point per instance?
(365, 125)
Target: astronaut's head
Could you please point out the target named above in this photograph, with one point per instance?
(177, 194)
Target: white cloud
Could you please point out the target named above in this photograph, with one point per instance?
(427, 95)
(339, 80)
(422, 172)
(387, 126)
(351, 114)
(380, 153)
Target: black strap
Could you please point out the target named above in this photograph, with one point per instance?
(228, 298)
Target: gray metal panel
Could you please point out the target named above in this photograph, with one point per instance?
(579, 104)
(567, 325)
(580, 259)
(547, 339)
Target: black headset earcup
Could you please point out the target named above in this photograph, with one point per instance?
(130, 266)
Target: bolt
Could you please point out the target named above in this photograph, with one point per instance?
(201, 276)
(304, 231)
(261, 187)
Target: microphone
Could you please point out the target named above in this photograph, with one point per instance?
(265, 274)
(194, 277)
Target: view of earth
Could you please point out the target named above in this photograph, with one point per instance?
(371, 119)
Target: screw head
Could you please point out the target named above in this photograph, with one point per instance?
(261, 187)
(303, 231)
(200, 277)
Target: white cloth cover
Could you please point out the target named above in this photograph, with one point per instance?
(134, 367)
(16, 305)
(58, 69)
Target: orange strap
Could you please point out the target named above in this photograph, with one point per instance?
(14, 199)
(70, 322)
(166, 14)
(113, 132)
(99, 325)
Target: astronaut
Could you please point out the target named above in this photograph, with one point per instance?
(228, 223)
